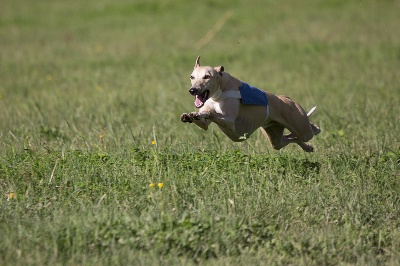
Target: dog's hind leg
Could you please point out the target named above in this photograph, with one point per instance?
(290, 139)
(275, 136)
(315, 129)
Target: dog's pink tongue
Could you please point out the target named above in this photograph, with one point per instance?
(198, 102)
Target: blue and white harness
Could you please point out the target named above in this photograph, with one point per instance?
(247, 93)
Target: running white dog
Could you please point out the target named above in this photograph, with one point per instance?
(239, 109)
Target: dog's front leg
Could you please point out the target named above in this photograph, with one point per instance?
(195, 118)
(226, 124)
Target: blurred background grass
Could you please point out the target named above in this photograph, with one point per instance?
(83, 67)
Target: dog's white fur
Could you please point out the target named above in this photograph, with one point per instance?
(218, 97)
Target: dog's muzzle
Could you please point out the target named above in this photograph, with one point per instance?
(193, 91)
(200, 98)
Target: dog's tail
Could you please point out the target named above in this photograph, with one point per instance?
(311, 111)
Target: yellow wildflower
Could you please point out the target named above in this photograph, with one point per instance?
(10, 196)
(160, 185)
(153, 142)
(151, 185)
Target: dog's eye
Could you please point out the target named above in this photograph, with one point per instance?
(206, 76)
(191, 77)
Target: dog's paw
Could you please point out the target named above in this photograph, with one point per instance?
(186, 118)
(307, 148)
(316, 130)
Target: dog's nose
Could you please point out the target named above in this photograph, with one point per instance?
(193, 91)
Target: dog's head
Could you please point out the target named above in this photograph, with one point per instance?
(205, 82)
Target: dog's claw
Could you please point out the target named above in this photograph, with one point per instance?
(186, 118)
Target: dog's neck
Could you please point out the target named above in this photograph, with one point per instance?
(215, 97)
(227, 81)
(219, 95)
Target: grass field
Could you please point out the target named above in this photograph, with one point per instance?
(97, 169)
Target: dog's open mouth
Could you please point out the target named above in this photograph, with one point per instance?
(201, 99)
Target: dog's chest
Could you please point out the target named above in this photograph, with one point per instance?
(216, 106)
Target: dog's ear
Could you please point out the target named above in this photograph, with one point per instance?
(219, 69)
(197, 62)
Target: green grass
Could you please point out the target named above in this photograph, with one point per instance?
(86, 86)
